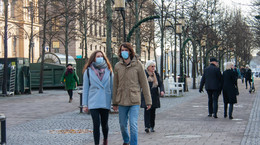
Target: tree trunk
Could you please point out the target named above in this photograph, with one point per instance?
(109, 30)
(4, 87)
(137, 31)
(43, 45)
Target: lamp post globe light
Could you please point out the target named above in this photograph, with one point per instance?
(179, 32)
(120, 6)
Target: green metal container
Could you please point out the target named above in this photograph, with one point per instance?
(52, 74)
(22, 78)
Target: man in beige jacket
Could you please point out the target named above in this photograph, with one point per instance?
(129, 79)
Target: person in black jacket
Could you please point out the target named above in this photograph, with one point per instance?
(243, 71)
(212, 79)
(248, 76)
(230, 89)
(155, 83)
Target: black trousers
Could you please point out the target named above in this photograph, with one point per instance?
(249, 82)
(230, 109)
(213, 101)
(70, 92)
(97, 116)
(149, 117)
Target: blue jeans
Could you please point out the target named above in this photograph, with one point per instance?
(132, 112)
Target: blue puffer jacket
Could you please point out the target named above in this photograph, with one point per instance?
(96, 93)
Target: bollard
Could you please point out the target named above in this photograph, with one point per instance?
(3, 129)
(80, 102)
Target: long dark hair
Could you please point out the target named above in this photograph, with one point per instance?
(92, 59)
(129, 47)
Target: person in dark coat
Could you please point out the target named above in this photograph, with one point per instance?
(248, 76)
(70, 79)
(155, 83)
(243, 71)
(212, 79)
(230, 89)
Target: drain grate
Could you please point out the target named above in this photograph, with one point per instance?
(70, 131)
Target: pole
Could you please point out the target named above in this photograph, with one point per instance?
(175, 43)
(181, 61)
(165, 67)
(4, 87)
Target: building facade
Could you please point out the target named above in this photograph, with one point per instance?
(19, 28)
(85, 18)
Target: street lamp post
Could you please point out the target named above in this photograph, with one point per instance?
(170, 24)
(203, 45)
(165, 60)
(179, 31)
(120, 6)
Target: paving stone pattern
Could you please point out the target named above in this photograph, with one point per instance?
(180, 121)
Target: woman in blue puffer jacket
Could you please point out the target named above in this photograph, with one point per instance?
(97, 92)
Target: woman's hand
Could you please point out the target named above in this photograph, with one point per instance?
(115, 108)
(85, 109)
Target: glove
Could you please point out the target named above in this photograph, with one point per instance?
(201, 90)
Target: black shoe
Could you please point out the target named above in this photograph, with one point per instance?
(146, 130)
(215, 116)
(210, 115)
(230, 117)
(225, 116)
(152, 130)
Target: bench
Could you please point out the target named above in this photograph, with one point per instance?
(173, 88)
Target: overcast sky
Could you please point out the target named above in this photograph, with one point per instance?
(245, 5)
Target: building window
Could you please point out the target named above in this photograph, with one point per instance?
(56, 50)
(104, 49)
(91, 47)
(95, 47)
(55, 24)
(100, 47)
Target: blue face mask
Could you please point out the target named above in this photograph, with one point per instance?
(99, 60)
(124, 54)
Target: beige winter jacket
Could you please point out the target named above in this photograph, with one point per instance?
(128, 82)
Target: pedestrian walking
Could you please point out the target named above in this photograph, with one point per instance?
(212, 79)
(237, 71)
(71, 80)
(97, 92)
(129, 79)
(248, 75)
(156, 90)
(230, 89)
(243, 71)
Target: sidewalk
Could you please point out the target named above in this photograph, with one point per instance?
(48, 118)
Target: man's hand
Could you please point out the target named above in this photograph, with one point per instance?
(115, 108)
(162, 93)
(148, 107)
(201, 90)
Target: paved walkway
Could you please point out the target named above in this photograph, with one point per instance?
(48, 118)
